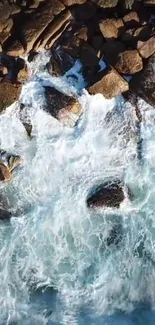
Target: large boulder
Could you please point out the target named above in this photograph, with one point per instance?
(34, 27)
(109, 83)
(143, 83)
(109, 194)
(109, 29)
(66, 109)
(129, 62)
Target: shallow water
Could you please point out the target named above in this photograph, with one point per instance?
(54, 263)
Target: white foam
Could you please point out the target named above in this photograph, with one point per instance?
(57, 241)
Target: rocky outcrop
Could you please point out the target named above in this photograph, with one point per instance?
(109, 194)
(66, 109)
(109, 83)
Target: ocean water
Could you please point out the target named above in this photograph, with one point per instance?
(55, 266)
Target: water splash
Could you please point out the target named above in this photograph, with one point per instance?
(55, 265)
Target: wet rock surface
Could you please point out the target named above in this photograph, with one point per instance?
(66, 109)
(108, 194)
(108, 83)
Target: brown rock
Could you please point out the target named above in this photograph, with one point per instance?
(9, 25)
(108, 28)
(109, 83)
(55, 28)
(68, 3)
(23, 75)
(143, 83)
(5, 11)
(109, 194)
(9, 93)
(15, 49)
(131, 20)
(111, 50)
(15, 9)
(5, 174)
(66, 109)
(129, 62)
(3, 37)
(40, 19)
(106, 3)
(146, 48)
(34, 4)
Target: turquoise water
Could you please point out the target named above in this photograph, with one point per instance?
(55, 265)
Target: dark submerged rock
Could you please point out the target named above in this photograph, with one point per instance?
(108, 194)
(65, 108)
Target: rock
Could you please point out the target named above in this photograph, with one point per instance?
(5, 174)
(97, 42)
(109, 29)
(15, 49)
(4, 215)
(106, 3)
(146, 48)
(143, 83)
(90, 61)
(9, 25)
(88, 56)
(131, 20)
(111, 50)
(40, 19)
(23, 75)
(60, 63)
(68, 3)
(11, 161)
(5, 11)
(66, 109)
(13, 66)
(14, 161)
(129, 62)
(109, 194)
(131, 36)
(35, 4)
(53, 29)
(84, 12)
(109, 83)
(25, 118)
(9, 93)
(15, 9)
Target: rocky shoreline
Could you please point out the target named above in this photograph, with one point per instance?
(119, 33)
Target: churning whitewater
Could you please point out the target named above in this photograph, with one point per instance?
(55, 267)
